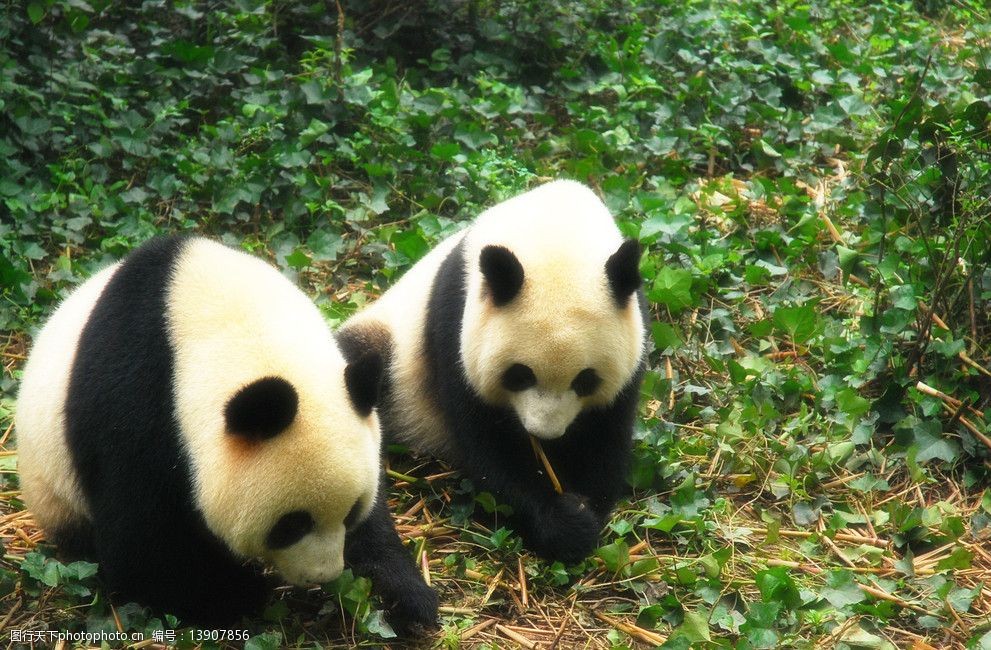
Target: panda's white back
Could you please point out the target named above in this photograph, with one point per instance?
(401, 312)
(47, 476)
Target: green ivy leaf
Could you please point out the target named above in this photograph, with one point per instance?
(799, 323)
(615, 556)
(264, 641)
(672, 287)
(376, 624)
(841, 589)
(35, 12)
(665, 336)
(695, 627)
(928, 440)
(298, 259)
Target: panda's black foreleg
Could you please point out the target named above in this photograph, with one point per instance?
(181, 570)
(592, 461)
(597, 449)
(555, 526)
(373, 549)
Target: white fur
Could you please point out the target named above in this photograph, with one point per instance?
(234, 319)
(48, 478)
(402, 311)
(563, 321)
(546, 413)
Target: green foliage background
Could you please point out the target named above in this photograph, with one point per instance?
(727, 136)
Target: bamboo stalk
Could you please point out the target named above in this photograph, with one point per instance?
(973, 364)
(492, 587)
(539, 453)
(869, 590)
(884, 595)
(424, 562)
(841, 481)
(10, 614)
(952, 401)
(516, 636)
(636, 632)
(391, 473)
(472, 631)
(969, 425)
(670, 377)
(523, 590)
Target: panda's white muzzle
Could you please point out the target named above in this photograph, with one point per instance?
(317, 557)
(546, 414)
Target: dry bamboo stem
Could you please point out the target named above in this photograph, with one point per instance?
(637, 632)
(973, 364)
(668, 371)
(869, 590)
(472, 631)
(843, 537)
(969, 425)
(516, 636)
(523, 590)
(952, 401)
(539, 453)
(492, 587)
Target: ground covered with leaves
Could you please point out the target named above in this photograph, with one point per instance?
(810, 181)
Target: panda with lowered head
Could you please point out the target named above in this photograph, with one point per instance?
(188, 409)
(528, 323)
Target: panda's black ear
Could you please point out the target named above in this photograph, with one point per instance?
(623, 271)
(262, 409)
(363, 378)
(503, 273)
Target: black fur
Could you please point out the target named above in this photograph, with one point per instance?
(289, 529)
(151, 542)
(262, 409)
(585, 382)
(363, 378)
(373, 548)
(74, 540)
(518, 377)
(503, 274)
(491, 446)
(358, 340)
(623, 271)
(351, 520)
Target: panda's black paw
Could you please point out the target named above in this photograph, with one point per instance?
(411, 606)
(568, 531)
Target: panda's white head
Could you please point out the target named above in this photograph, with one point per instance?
(279, 428)
(552, 325)
(301, 470)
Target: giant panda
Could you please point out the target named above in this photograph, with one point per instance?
(530, 322)
(187, 410)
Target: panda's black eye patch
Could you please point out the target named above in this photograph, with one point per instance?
(352, 519)
(289, 529)
(518, 377)
(263, 409)
(585, 382)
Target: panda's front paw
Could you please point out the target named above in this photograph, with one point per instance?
(411, 605)
(569, 530)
